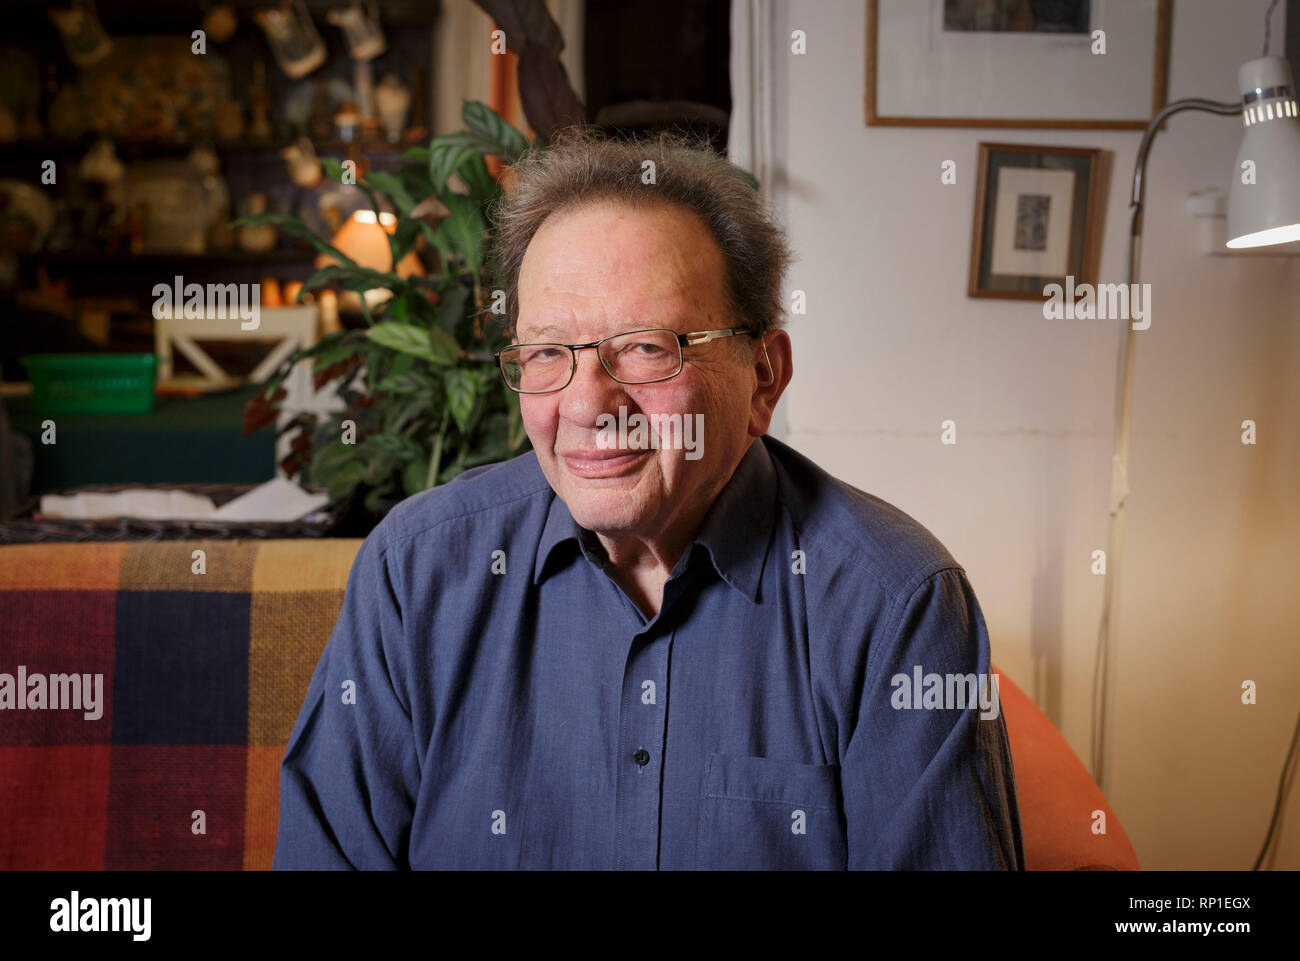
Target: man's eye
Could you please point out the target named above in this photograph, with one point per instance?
(645, 349)
(542, 355)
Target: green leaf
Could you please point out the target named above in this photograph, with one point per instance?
(336, 353)
(448, 152)
(374, 362)
(391, 185)
(415, 179)
(419, 155)
(464, 228)
(408, 383)
(286, 367)
(399, 445)
(333, 168)
(407, 339)
(326, 275)
(327, 461)
(410, 307)
(402, 364)
(366, 189)
(342, 483)
(376, 499)
(462, 392)
(451, 307)
(324, 344)
(413, 476)
(482, 185)
(378, 465)
(396, 309)
(508, 142)
(402, 240)
(748, 177)
(361, 282)
(445, 350)
(435, 455)
(355, 278)
(440, 243)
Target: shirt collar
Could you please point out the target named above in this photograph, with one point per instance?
(735, 532)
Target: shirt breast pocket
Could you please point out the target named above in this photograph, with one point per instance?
(760, 814)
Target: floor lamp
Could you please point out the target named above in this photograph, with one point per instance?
(1263, 209)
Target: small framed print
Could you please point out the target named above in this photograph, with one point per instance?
(1035, 219)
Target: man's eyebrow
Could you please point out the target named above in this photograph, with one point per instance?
(539, 331)
(550, 328)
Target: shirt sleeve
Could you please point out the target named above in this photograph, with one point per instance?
(928, 784)
(350, 774)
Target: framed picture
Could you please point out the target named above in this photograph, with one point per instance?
(1016, 63)
(1035, 219)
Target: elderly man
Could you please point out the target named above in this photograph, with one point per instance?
(681, 646)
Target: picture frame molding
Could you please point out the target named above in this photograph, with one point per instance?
(1091, 227)
(1159, 90)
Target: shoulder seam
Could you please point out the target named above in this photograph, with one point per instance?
(904, 599)
(800, 522)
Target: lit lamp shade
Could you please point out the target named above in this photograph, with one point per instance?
(1267, 211)
(365, 240)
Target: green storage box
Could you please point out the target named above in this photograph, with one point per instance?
(91, 383)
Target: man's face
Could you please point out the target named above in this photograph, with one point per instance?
(605, 269)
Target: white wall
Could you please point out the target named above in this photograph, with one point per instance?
(1208, 592)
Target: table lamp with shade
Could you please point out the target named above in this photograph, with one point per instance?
(1263, 210)
(364, 238)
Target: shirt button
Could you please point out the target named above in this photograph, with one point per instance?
(642, 756)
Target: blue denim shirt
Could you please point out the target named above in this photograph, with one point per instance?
(491, 698)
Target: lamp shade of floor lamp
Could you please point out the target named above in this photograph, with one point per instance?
(1264, 199)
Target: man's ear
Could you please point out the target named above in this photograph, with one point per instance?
(773, 368)
(767, 377)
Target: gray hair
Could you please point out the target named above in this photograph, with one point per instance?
(582, 166)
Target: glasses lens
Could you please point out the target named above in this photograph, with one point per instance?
(642, 356)
(536, 368)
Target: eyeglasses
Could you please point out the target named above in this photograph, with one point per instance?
(635, 357)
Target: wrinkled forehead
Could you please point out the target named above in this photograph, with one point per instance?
(607, 265)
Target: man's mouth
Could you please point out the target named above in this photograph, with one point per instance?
(603, 463)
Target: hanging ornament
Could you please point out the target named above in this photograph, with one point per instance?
(83, 35)
(298, 48)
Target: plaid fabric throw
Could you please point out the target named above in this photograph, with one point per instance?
(201, 664)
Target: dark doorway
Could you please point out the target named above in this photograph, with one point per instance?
(659, 64)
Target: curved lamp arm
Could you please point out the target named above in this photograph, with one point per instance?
(1102, 700)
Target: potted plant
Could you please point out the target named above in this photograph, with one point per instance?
(433, 404)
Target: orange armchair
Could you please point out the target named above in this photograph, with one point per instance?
(1057, 796)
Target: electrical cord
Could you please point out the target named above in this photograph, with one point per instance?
(1268, 26)
(1291, 755)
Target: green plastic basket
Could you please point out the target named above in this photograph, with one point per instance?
(91, 383)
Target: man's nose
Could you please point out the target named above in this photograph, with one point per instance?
(592, 391)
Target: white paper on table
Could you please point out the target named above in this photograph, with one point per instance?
(276, 500)
(141, 503)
